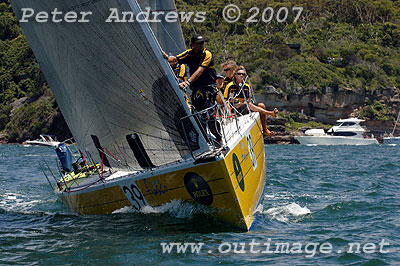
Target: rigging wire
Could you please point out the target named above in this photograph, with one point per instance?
(184, 6)
(395, 125)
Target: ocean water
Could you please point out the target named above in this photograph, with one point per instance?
(337, 205)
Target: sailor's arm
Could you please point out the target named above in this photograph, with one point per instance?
(193, 77)
(205, 63)
(166, 56)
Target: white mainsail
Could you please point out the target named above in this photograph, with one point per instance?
(111, 81)
(168, 34)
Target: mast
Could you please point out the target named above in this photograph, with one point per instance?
(395, 125)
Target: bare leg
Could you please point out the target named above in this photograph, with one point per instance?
(262, 109)
(263, 114)
(256, 108)
(263, 122)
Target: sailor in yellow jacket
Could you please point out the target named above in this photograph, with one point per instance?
(180, 73)
(202, 79)
(179, 69)
(237, 92)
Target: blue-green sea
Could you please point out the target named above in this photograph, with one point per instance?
(318, 201)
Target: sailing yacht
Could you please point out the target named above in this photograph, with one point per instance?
(391, 139)
(139, 144)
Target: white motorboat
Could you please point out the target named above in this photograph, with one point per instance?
(44, 140)
(345, 132)
(391, 139)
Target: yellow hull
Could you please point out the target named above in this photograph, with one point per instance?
(232, 185)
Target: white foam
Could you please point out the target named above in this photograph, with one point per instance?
(17, 202)
(176, 208)
(127, 209)
(283, 213)
(287, 197)
(259, 209)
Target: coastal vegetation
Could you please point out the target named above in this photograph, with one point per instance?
(295, 121)
(333, 44)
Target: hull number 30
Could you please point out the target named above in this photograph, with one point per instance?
(134, 195)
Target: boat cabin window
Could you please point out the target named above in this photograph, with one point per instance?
(345, 134)
(348, 124)
(338, 124)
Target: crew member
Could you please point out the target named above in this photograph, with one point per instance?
(220, 81)
(229, 69)
(180, 73)
(179, 69)
(203, 76)
(237, 92)
(202, 79)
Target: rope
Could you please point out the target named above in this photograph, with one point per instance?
(84, 187)
(112, 155)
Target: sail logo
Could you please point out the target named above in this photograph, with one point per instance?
(238, 171)
(198, 188)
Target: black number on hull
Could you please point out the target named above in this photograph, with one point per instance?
(136, 196)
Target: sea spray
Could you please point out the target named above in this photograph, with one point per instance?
(284, 213)
(176, 208)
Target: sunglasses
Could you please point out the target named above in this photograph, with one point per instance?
(227, 69)
(241, 74)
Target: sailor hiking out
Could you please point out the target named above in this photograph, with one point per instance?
(238, 94)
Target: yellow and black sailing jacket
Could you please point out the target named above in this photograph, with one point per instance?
(233, 91)
(204, 59)
(180, 71)
(227, 80)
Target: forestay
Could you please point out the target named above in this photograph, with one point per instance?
(169, 34)
(111, 81)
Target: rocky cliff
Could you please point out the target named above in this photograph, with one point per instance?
(329, 106)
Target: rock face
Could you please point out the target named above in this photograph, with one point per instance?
(17, 103)
(327, 107)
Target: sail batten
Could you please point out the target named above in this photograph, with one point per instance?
(110, 80)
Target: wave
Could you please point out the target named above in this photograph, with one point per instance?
(286, 212)
(176, 208)
(14, 202)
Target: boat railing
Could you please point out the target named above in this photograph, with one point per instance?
(68, 181)
(217, 117)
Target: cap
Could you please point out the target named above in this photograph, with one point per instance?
(197, 39)
(220, 76)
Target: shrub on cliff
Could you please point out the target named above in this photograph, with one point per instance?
(375, 111)
(31, 119)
